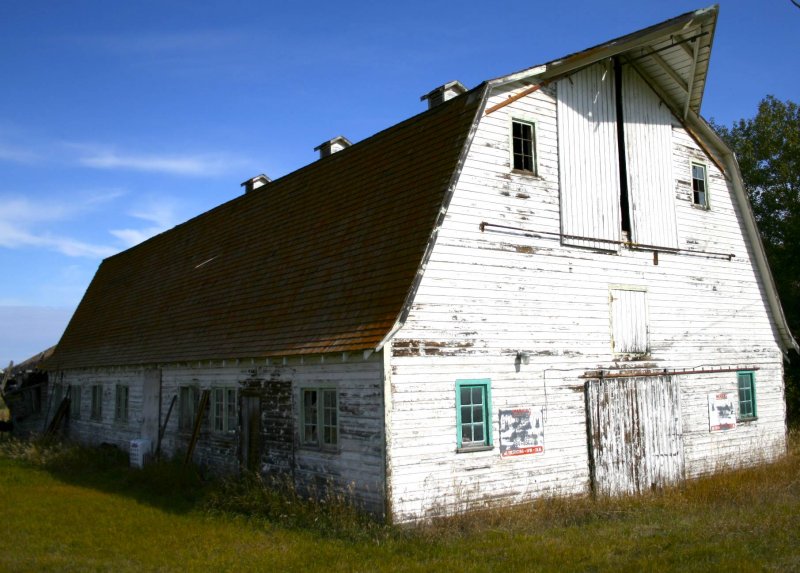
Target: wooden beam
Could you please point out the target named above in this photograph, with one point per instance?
(692, 73)
(667, 68)
(682, 44)
(201, 410)
(514, 98)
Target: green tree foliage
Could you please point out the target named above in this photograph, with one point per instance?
(768, 149)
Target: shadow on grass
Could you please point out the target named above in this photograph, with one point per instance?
(166, 485)
(170, 487)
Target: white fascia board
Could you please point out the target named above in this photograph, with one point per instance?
(401, 319)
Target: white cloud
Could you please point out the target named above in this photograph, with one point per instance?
(12, 236)
(193, 165)
(17, 154)
(161, 212)
(20, 216)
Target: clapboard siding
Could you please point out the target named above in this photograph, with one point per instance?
(357, 467)
(485, 296)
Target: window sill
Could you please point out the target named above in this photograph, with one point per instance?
(323, 450)
(470, 449)
(531, 174)
(701, 207)
(746, 420)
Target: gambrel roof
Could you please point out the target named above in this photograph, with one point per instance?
(320, 260)
(327, 259)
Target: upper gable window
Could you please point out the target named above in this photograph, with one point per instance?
(700, 185)
(523, 139)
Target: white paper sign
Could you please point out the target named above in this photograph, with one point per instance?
(721, 411)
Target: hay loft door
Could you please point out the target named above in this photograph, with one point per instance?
(635, 433)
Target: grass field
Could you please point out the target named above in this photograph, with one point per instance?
(71, 509)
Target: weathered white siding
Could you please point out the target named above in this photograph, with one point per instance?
(587, 130)
(533, 315)
(356, 466)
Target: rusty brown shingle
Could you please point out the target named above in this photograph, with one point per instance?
(320, 260)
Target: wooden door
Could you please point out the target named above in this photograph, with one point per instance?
(635, 434)
(151, 406)
(251, 433)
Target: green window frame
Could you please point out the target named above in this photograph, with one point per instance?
(700, 185)
(319, 417)
(223, 410)
(97, 402)
(473, 414)
(121, 403)
(75, 402)
(523, 146)
(746, 382)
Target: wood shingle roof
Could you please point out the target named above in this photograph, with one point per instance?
(321, 260)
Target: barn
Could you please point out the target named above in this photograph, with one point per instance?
(549, 284)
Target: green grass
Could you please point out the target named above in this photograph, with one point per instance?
(67, 508)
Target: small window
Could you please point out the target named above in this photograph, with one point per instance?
(473, 412)
(97, 402)
(629, 330)
(121, 403)
(223, 409)
(699, 185)
(523, 139)
(747, 395)
(189, 398)
(75, 402)
(320, 417)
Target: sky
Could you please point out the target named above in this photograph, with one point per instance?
(119, 120)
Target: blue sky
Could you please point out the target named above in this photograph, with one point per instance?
(119, 120)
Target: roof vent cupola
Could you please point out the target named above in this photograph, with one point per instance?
(332, 146)
(255, 182)
(443, 93)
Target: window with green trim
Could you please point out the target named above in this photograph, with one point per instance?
(747, 395)
(699, 185)
(319, 417)
(473, 414)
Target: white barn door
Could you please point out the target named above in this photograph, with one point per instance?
(635, 434)
(648, 156)
(588, 158)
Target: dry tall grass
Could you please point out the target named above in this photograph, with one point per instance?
(738, 520)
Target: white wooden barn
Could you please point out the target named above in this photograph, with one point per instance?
(549, 284)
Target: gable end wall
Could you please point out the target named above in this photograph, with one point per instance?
(486, 296)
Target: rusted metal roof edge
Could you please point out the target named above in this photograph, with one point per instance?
(704, 130)
(484, 90)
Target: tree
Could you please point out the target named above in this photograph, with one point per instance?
(768, 150)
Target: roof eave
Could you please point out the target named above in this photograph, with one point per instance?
(637, 40)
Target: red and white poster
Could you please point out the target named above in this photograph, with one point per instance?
(521, 432)
(721, 411)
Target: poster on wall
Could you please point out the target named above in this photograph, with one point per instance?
(721, 411)
(521, 432)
